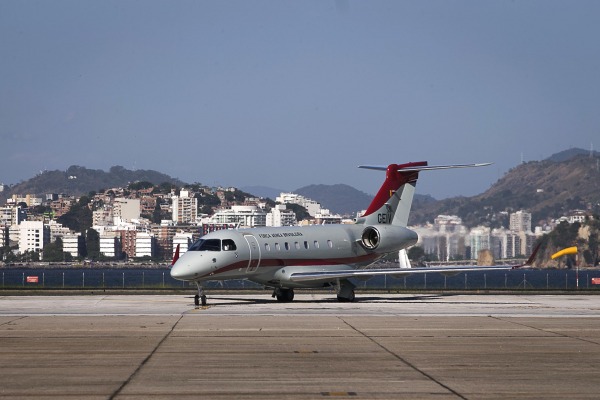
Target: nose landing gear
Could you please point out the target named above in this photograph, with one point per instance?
(200, 297)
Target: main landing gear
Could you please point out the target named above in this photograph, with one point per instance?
(200, 297)
(283, 295)
(345, 292)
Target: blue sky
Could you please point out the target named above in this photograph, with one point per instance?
(290, 93)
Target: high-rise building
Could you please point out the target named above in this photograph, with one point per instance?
(520, 221)
(185, 208)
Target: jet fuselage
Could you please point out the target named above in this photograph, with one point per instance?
(269, 256)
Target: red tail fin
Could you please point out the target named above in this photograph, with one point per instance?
(531, 259)
(175, 256)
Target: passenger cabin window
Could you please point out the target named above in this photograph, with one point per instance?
(297, 245)
(267, 247)
(316, 244)
(287, 245)
(206, 245)
(306, 245)
(277, 247)
(330, 244)
(229, 245)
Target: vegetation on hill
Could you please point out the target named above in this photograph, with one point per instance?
(341, 199)
(546, 188)
(78, 180)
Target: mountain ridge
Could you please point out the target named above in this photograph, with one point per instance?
(77, 180)
(564, 181)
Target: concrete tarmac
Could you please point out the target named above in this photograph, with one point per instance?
(251, 347)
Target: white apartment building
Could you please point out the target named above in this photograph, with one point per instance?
(184, 240)
(185, 208)
(33, 236)
(125, 210)
(57, 231)
(110, 244)
(311, 206)
(3, 236)
(448, 223)
(281, 216)
(71, 244)
(520, 221)
(144, 245)
(245, 216)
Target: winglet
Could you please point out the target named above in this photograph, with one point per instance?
(175, 256)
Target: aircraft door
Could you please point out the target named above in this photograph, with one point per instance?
(254, 258)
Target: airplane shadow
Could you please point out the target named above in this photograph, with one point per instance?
(231, 300)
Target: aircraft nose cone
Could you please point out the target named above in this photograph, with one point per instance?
(181, 271)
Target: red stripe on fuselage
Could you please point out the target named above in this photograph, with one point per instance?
(280, 262)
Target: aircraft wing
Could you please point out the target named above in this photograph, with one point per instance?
(358, 273)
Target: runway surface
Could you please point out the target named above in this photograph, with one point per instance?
(251, 347)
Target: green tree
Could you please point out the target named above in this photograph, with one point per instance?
(54, 251)
(79, 218)
(92, 243)
(140, 185)
(416, 253)
(157, 213)
(301, 212)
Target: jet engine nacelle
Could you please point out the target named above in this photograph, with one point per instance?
(387, 238)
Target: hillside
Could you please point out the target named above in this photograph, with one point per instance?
(346, 200)
(546, 188)
(78, 180)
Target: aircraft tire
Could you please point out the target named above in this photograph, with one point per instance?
(203, 300)
(285, 295)
(349, 299)
(197, 300)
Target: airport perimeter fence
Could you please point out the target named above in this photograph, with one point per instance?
(158, 279)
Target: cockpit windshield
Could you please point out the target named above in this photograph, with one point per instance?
(213, 245)
(206, 245)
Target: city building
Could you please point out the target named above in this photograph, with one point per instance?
(184, 240)
(128, 242)
(311, 206)
(520, 221)
(125, 210)
(57, 231)
(479, 239)
(103, 216)
(33, 236)
(110, 244)
(185, 208)
(448, 223)
(29, 199)
(10, 215)
(72, 244)
(281, 216)
(243, 216)
(144, 245)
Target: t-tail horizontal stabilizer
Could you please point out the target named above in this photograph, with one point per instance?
(393, 201)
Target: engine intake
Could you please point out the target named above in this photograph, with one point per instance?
(370, 238)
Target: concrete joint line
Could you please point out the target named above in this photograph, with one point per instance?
(139, 368)
(407, 363)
